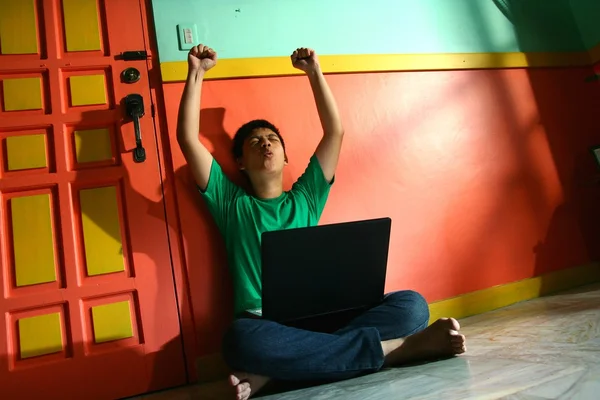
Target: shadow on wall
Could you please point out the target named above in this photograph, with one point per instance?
(541, 25)
(220, 141)
(568, 103)
(213, 310)
(544, 216)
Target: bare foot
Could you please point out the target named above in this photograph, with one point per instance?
(246, 385)
(440, 339)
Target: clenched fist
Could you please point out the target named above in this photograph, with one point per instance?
(201, 58)
(305, 59)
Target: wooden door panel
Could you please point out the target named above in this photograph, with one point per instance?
(88, 293)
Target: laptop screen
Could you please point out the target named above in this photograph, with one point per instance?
(324, 269)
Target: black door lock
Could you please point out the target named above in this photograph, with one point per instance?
(130, 75)
(134, 105)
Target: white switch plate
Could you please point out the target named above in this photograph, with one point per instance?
(188, 35)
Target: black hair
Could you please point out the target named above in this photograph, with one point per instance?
(246, 130)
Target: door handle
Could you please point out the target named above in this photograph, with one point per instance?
(134, 108)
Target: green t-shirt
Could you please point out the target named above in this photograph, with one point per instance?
(243, 218)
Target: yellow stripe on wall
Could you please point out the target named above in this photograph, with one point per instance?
(32, 226)
(101, 230)
(176, 71)
(81, 25)
(18, 30)
(504, 295)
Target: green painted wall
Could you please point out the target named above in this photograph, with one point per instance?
(587, 15)
(261, 28)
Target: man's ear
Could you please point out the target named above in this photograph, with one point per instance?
(285, 159)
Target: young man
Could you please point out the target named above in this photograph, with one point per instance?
(392, 333)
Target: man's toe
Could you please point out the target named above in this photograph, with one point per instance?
(242, 387)
(244, 395)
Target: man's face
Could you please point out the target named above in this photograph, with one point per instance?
(263, 151)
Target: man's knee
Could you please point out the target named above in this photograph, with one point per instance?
(236, 341)
(413, 302)
(242, 342)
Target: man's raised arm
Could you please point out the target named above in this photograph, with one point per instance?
(200, 59)
(329, 148)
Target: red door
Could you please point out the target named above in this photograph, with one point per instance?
(88, 300)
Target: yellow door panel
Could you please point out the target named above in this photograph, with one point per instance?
(87, 90)
(81, 25)
(26, 152)
(101, 231)
(40, 335)
(18, 29)
(93, 145)
(22, 94)
(33, 242)
(112, 322)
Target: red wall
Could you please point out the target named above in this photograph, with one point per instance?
(485, 173)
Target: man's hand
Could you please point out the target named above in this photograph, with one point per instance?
(305, 60)
(201, 58)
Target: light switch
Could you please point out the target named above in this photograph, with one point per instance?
(188, 36)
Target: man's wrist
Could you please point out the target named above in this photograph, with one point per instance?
(314, 72)
(197, 74)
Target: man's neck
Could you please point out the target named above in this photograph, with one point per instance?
(268, 188)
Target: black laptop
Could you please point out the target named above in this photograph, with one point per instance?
(323, 270)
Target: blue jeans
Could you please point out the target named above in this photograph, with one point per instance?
(282, 352)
